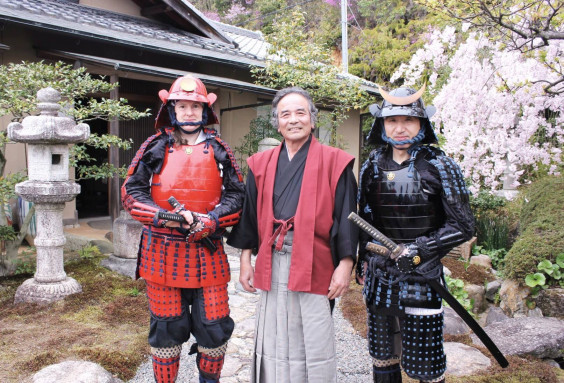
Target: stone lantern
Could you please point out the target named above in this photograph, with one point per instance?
(268, 143)
(48, 137)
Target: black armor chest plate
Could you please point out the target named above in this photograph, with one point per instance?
(401, 208)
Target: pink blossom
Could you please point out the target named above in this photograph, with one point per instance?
(491, 106)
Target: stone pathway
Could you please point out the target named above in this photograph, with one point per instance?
(353, 365)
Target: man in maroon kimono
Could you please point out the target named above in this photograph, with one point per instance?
(298, 198)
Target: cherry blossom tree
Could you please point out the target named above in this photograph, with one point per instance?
(494, 113)
(522, 25)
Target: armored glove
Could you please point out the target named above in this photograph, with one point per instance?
(406, 262)
(147, 214)
(208, 226)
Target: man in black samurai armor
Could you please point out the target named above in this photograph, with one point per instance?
(414, 194)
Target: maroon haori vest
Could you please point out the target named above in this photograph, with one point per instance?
(190, 174)
(311, 267)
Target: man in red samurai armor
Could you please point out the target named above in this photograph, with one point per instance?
(184, 264)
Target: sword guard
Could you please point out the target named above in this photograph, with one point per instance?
(407, 263)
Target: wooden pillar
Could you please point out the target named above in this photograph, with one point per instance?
(113, 184)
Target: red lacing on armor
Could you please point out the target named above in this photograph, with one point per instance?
(229, 220)
(210, 366)
(231, 157)
(140, 153)
(216, 302)
(126, 199)
(164, 301)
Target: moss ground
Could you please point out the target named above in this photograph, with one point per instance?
(107, 324)
(541, 220)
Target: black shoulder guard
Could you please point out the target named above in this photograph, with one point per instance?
(452, 179)
(371, 164)
(211, 134)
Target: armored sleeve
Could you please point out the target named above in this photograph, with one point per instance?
(442, 173)
(368, 173)
(136, 189)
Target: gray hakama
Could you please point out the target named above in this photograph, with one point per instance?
(294, 338)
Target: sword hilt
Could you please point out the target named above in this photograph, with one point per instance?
(179, 218)
(170, 217)
(377, 249)
(395, 249)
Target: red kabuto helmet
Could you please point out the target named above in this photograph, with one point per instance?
(188, 88)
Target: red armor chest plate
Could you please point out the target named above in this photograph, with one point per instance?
(190, 174)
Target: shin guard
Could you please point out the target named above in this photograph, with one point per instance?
(165, 363)
(209, 362)
(387, 374)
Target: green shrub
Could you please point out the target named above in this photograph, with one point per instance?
(89, 251)
(456, 288)
(547, 274)
(495, 221)
(486, 201)
(541, 228)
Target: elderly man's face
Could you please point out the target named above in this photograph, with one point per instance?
(294, 119)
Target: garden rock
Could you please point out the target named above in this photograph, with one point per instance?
(446, 271)
(538, 337)
(551, 302)
(481, 260)
(476, 293)
(123, 266)
(535, 313)
(495, 314)
(453, 324)
(126, 236)
(463, 250)
(513, 298)
(74, 372)
(491, 289)
(463, 360)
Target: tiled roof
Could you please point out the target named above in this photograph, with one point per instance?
(249, 41)
(66, 16)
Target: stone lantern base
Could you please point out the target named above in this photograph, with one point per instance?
(32, 291)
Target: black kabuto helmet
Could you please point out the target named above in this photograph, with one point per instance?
(401, 102)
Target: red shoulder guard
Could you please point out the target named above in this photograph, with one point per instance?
(126, 200)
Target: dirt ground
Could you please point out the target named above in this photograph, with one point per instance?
(107, 323)
(470, 274)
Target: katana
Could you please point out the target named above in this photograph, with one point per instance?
(390, 249)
